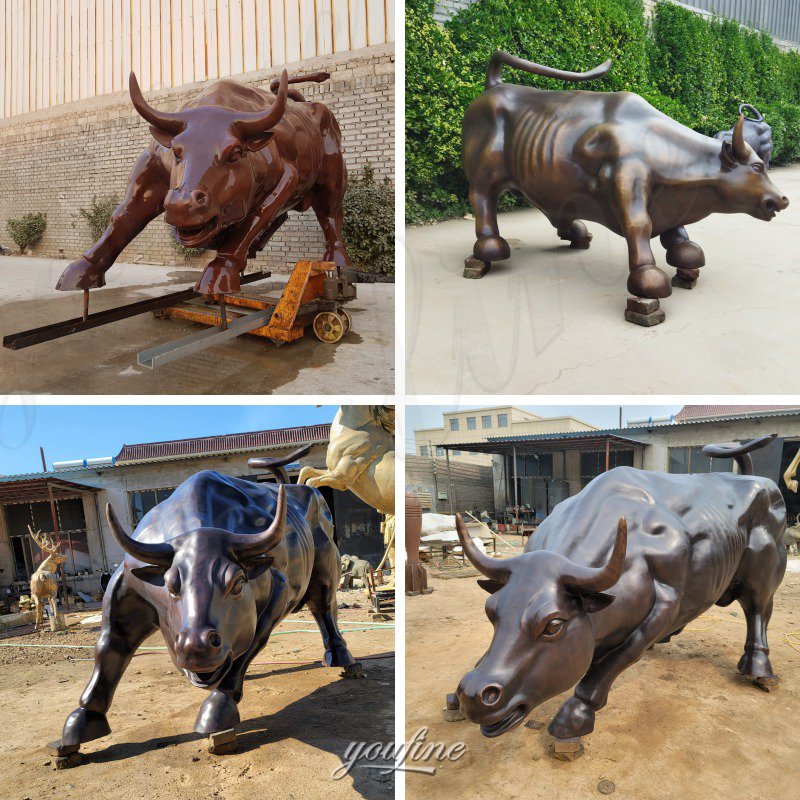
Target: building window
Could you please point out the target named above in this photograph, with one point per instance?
(423, 450)
(486, 421)
(142, 502)
(471, 425)
(456, 452)
(686, 460)
(453, 424)
(502, 420)
(440, 451)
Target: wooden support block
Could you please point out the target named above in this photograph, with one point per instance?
(644, 311)
(222, 742)
(353, 671)
(68, 762)
(683, 283)
(567, 749)
(57, 749)
(452, 701)
(475, 268)
(452, 712)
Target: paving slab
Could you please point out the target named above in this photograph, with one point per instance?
(550, 320)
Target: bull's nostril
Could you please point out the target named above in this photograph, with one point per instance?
(214, 639)
(490, 695)
(199, 197)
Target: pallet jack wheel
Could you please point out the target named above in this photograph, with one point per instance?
(329, 327)
(346, 320)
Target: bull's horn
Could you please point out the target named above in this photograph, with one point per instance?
(164, 121)
(245, 547)
(741, 150)
(582, 580)
(490, 567)
(256, 122)
(160, 554)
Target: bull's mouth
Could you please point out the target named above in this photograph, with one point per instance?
(770, 210)
(205, 680)
(506, 724)
(198, 235)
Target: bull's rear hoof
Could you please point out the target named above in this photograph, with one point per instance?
(685, 255)
(223, 743)
(353, 671)
(491, 248)
(82, 726)
(644, 312)
(475, 268)
(567, 749)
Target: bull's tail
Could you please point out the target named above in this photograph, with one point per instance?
(499, 58)
(311, 77)
(739, 452)
(277, 466)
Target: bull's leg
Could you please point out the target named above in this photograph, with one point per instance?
(630, 198)
(576, 716)
(222, 274)
(490, 245)
(327, 205)
(144, 201)
(220, 711)
(127, 622)
(683, 254)
(574, 232)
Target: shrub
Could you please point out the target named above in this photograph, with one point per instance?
(368, 228)
(186, 252)
(98, 215)
(27, 230)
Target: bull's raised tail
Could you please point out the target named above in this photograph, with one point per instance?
(310, 77)
(499, 58)
(739, 452)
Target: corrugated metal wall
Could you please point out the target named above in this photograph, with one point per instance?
(57, 51)
(780, 18)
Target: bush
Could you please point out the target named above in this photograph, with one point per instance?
(368, 228)
(98, 215)
(181, 249)
(694, 69)
(27, 230)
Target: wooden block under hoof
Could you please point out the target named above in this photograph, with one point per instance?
(353, 671)
(57, 749)
(452, 702)
(475, 268)
(222, 742)
(767, 684)
(683, 283)
(644, 311)
(580, 244)
(567, 749)
(68, 762)
(453, 714)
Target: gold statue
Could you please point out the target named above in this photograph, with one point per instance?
(44, 582)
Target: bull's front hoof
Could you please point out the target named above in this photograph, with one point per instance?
(221, 276)
(649, 282)
(756, 665)
(82, 726)
(223, 743)
(338, 657)
(81, 274)
(686, 255)
(219, 712)
(575, 718)
(491, 248)
(567, 749)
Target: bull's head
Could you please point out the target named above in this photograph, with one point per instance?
(213, 176)
(544, 639)
(205, 576)
(744, 186)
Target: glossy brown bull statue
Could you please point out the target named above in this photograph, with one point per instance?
(608, 157)
(216, 566)
(225, 170)
(624, 564)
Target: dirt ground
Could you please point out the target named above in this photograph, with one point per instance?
(679, 724)
(297, 720)
(103, 360)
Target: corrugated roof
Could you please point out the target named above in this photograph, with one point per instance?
(226, 443)
(709, 413)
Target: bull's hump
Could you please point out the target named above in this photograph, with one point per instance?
(233, 95)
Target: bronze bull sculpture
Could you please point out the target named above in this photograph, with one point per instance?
(216, 566)
(609, 157)
(225, 170)
(757, 133)
(624, 564)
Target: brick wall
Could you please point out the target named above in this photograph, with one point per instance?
(472, 484)
(56, 160)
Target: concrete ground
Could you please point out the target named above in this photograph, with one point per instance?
(550, 319)
(297, 720)
(103, 360)
(681, 723)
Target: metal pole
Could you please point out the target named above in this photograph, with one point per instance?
(516, 489)
(435, 504)
(608, 453)
(449, 481)
(54, 514)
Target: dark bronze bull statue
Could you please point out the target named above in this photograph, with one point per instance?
(226, 170)
(619, 567)
(216, 567)
(609, 157)
(757, 133)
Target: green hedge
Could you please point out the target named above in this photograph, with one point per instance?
(696, 70)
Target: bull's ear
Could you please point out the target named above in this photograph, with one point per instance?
(253, 143)
(162, 137)
(489, 585)
(596, 601)
(727, 156)
(152, 574)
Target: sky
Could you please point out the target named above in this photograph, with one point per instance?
(73, 432)
(599, 416)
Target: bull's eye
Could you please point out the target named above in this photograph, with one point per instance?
(234, 155)
(236, 586)
(172, 589)
(553, 628)
(178, 154)
(759, 168)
